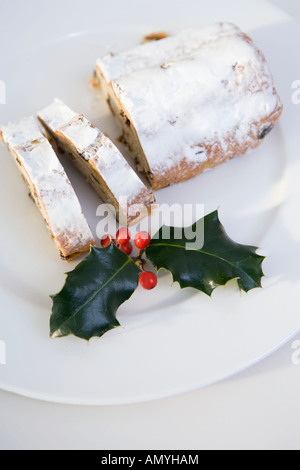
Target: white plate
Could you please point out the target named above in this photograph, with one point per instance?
(173, 341)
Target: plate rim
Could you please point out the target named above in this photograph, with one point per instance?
(136, 400)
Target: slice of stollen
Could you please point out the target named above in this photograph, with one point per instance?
(49, 187)
(100, 162)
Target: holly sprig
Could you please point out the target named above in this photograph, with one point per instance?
(87, 305)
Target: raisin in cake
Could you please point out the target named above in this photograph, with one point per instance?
(190, 102)
(99, 160)
(49, 187)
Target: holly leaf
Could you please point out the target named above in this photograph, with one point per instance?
(205, 268)
(93, 292)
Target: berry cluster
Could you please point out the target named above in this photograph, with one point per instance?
(148, 280)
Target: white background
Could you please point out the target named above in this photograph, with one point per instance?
(257, 409)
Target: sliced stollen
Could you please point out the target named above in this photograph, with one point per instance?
(49, 187)
(100, 162)
(190, 102)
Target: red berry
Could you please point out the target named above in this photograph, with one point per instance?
(127, 248)
(123, 236)
(105, 242)
(142, 240)
(148, 280)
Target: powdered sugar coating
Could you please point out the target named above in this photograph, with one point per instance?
(157, 53)
(57, 114)
(122, 180)
(50, 186)
(192, 91)
(22, 132)
(81, 133)
(95, 147)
